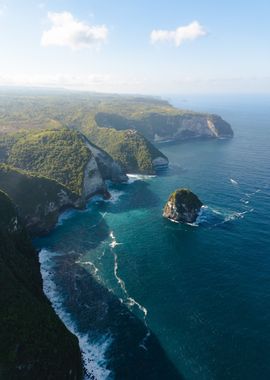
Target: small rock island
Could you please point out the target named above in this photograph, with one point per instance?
(182, 206)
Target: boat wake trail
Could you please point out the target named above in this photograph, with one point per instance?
(128, 300)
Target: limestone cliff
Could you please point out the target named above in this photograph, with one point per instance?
(39, 199)
(169, 125)
(67, 157)
(100, 168)
(129, 149)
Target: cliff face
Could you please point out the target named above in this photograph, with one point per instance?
(109, 169)
(100, 167)
(182, 206)
(34, 343)
(129, 149)
(169, 126)
(39, 199)
(67, 157)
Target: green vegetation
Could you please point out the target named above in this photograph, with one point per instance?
(129, 148)
(166, 123)
(78, 112)
(39, 199)
(105, 119)
(34, 343)
(58, 154)
(52, 109)
(186, 197)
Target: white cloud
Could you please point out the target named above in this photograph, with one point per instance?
(3, 8)
(67, 31)
(189, 32)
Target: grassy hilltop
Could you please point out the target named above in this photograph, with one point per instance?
(59, 154)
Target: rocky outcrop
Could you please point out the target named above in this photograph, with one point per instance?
(51, 170)
(182, 206)
(109, 169)
(130, 150)
(160, 164)
(172, 125)
(93, 182)
(39, 200)
(34, 343)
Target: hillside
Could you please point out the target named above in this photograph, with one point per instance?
(62, 155)
(39, 199)
(99, 116)
(57, 154)
(155, 118)
(130, 149)
(34, 343)
(167, 124)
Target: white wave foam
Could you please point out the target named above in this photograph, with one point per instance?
(114, 243)
(102, 254)
(115, 196)
(94, 270)
(245, 201)
(213, 217)
(65, 216)
(139, 177)
(203, 216)
(93, 353)
(129, 301)
(249, 195)
(233, 181)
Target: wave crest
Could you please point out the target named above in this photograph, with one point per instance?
(93, 353)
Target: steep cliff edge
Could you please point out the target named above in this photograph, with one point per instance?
(169, 125)
(39, 199)
(129, 149)
(48, 171)
(65, 156)
(34, 343)
(109, 169)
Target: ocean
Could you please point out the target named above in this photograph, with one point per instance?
(152, 299)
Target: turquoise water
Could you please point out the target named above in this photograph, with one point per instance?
(203, 291)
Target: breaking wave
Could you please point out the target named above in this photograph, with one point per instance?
(211, 217)
(139, 177)
(233, 181)
(128, 300)
(93, 353)
(65, 216)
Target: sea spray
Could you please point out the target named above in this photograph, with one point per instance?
(93, 353)
(129, 301)
(139, 177)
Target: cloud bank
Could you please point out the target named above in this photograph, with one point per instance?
(188, 32)
(67, 31)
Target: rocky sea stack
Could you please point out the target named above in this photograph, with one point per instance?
(182, 206)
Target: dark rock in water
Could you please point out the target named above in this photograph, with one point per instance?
(182, 206)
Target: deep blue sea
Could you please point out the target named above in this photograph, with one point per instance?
(203, 291)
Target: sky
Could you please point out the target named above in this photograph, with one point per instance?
(137, 46)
